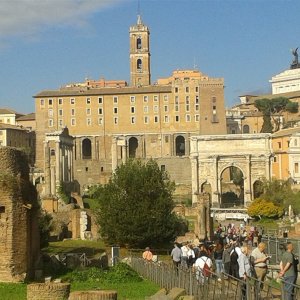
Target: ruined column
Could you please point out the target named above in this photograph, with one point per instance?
(203, 216)
(247, 182)
(216, 185)
(124, 153)
(47, 168)
(58, 164)
(114, 154)
(195, 179)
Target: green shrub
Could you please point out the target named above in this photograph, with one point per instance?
(120, 273)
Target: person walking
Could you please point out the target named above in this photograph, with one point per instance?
(202, 266)
(226, 258)
(244, 269)
(288, 271)
(176, 256)
(234, 255)
(184, 255)
(259, 259)
(218, 255)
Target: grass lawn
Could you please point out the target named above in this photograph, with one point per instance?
(13, 291)
(130, 291)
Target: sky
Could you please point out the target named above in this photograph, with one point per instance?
(45, 44)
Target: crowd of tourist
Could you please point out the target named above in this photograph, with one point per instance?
(236, 253)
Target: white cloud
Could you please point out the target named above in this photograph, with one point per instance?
(28, 17)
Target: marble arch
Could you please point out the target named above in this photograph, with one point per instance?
(211, 155)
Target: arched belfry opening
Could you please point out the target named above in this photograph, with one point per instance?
(139, 65)
(138, 43)
(180, 145)
(232, 187)
(86, 149)
(133, 146)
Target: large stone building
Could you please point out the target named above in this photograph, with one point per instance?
(113, 122)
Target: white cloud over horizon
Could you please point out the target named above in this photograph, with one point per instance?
(30, 17)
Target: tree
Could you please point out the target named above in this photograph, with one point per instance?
(260, 208)
(280, 193)
(273, 109)
(135, 207)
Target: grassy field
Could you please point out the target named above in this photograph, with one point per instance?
(13, 291)
(131, 291)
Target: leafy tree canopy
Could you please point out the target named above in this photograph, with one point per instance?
(135, 207)
(260, 208)
(272, 108)
(280, 193)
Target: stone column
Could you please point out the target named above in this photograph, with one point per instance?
(63, 163)
(58, 163)
(114, 154)
(247, 181)
(124, 153)
(216, 185)
(52, 181)
(71, 163)
(268, 166)
(195, 179)
(203, 217)
(80, 148)
(47, 168)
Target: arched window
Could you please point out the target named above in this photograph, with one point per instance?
(139, 64)
(133, 145)
(86, 149)
(139, 43)
(246, 129)
(180, 145)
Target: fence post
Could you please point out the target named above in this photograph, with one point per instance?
(191, 283)
(276, 250)
(248, 290)
(282, 291)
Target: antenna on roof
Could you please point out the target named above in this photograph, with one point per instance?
(138, 8)
(139, 19)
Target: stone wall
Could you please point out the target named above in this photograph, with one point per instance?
(19, 238)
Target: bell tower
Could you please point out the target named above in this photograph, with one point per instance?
(139, 54)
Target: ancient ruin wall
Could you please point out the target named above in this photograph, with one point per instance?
(17, 204)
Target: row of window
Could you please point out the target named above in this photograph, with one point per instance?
(166, 119)
(187, 89)
(115, 110)
(116, 99)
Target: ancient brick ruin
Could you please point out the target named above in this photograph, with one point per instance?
(19, 235)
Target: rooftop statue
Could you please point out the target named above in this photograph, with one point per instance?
(295, 64)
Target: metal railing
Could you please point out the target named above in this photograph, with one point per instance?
(214, 288)
(275, 247)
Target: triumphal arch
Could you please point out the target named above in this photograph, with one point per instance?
(238, 158)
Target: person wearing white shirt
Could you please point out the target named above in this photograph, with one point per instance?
(199, 267)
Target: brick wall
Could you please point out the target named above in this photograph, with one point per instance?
(18, 212)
